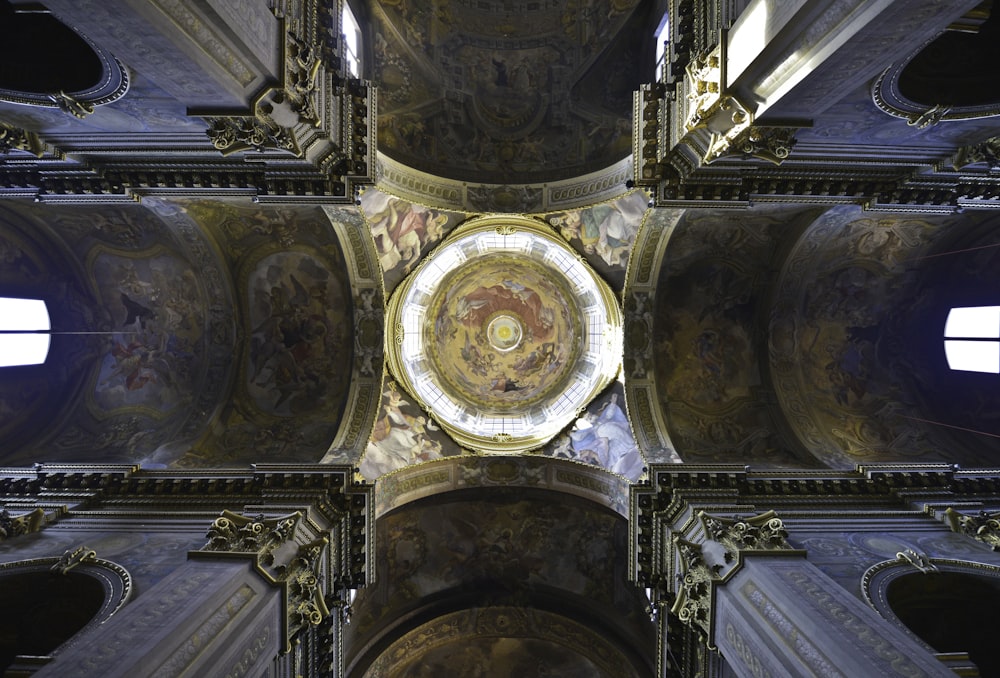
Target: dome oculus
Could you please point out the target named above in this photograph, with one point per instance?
(504, 334)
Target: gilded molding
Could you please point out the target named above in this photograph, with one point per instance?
(406, 183)
(984, 527)
(764, 532)
(71, 559)
(696, 587)
(987, 151)
(26, 523)
(298, 571)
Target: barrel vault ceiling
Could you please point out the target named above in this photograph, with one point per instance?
(199, 329)
(217, 331)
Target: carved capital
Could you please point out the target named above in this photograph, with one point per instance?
(984, 527)
(235, 533)
(244, 133)
(987, 151)
(15, 526)
(693, 602)
(764, 532)
(296, 568)
(17, 139)
(773, 144)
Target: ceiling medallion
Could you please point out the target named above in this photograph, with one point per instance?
(503, 334)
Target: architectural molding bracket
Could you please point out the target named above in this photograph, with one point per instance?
(294, 568)
(15, 139)
(71, 559)
(695, 587)
(773, 144)
(984, 527)
(918, 560)
(987, 151)
(26, 523)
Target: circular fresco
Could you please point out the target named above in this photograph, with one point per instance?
(504, 334)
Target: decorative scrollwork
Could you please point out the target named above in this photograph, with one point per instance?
(917, 560)
(987, 151)
(71, 559)
(14, 526)
(693, 604)
(506, 229)
(17, 139)
(244, 133)
(298, 571)
(233, 532)
(984, 527)
(764, 532)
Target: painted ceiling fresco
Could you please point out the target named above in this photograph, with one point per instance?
(502, 641)
(604, 234)
(403, 232)
(294, 353)
(505, 547)
(499, 92)
(216, 333)
(713, 288)
(856, 337)
(159, 321)
(223, 337)
(404, 434)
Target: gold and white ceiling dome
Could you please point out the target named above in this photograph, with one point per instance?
(503, 334)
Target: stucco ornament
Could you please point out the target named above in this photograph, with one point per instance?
(504, 334)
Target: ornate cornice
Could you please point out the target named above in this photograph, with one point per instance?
(312, 136)
(397, 179)
(674, 494)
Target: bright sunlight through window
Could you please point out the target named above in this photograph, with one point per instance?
(24, 326)
(972, 339)
(352, 33)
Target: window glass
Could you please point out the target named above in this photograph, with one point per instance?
(972, 339)
(352, 40)
(974, 322)
(24, 338)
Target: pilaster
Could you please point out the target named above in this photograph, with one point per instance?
(722, 575)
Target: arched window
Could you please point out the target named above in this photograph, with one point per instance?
(352, 41)
(24, 332)
(972, 339)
